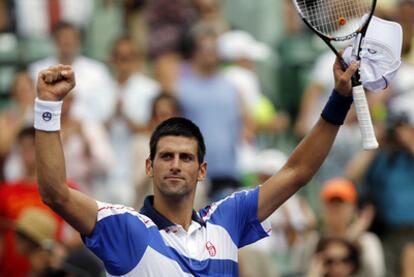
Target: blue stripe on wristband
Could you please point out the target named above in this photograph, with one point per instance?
(336, 108)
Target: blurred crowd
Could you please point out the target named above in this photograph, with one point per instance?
(253, 95)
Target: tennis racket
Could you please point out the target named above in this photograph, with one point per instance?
(339, 21)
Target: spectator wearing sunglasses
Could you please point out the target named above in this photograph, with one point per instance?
(335, 257)
(340, 217)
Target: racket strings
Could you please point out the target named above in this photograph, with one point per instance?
(335, 17)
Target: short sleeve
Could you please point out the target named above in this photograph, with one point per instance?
(120, 237)
(238, 215)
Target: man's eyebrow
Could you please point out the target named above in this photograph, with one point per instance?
(180, 153)
(187, 153)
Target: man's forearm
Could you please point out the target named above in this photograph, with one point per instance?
(299, 169)
(51, 168)
(312, 151)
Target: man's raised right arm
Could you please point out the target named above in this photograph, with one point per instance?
(76, 208)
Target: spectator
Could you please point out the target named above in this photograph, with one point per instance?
(135, 22)
(402, 92)
(90, 155)
(240, 50)
(386, 178)
(106, 25)
(14, 198)
(136, 91)
(335, 257)
(35, 230)
(95, 89)
(37, 18)
(167, 23)
(35, 233)
(135, 94)
(209, 13)
(18, 113)
(212, 102)
(7, 18)
(386, 175)
(404, 14)
(340, 219)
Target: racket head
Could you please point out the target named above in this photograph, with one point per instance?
(336, 20)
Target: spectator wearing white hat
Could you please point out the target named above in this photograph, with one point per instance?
(242, 51)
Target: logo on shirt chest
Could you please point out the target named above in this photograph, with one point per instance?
(211, 249)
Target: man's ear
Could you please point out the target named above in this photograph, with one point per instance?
(202, 171)
(148, 168)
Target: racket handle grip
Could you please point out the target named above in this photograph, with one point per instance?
(369, 141)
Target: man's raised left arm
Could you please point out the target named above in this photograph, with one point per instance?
(309, 155)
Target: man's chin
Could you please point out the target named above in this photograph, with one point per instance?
(178, 193)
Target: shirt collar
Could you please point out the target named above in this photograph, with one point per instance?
(161, 221)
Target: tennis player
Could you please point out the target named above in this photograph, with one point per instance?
(167, 237)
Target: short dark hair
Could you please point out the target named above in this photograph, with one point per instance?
(354, 251)
(178, 126)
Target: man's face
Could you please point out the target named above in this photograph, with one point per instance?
(175, 169)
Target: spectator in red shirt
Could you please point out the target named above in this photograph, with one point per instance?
(14, 198)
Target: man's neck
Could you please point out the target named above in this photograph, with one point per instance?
(177, 211)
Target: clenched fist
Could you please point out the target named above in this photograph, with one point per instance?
(54, 83)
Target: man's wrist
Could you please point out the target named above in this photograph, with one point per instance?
(47, 97)
(336, 108)
(47, 115)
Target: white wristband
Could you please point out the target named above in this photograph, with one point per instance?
(47, 115)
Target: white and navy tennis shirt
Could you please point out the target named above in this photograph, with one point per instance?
(147, 244)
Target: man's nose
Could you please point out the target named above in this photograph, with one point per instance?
(176, 163)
